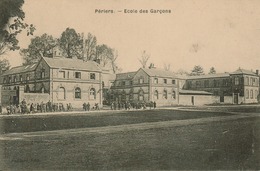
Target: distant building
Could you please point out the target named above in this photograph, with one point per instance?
(165, 88)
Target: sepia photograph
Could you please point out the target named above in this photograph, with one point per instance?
(129, 85)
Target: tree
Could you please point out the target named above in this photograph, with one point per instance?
(71, 43)
(197, 70)
(40, 46)
(90, 47)
(11, 24)
(4, 65)
(144, 59)
(106, 57)
(212, 70)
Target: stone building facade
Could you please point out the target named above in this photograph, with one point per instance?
(63, 80)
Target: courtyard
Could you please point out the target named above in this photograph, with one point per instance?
(162, 139)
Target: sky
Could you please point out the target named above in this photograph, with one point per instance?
(224, 34)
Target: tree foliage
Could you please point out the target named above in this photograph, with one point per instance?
(212, 70)
(197, 70)
(11, 24)
(71, 43)
(144, 59)
(90, 47)
(4, 65)
(40, 46)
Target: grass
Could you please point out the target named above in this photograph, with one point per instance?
(56, 122)
(229, 145)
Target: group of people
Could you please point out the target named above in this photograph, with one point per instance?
(26, 108)
(117, 105)
(86, 107)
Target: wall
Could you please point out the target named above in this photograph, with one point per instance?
(198, 99)
(36, 97)
(70, 93)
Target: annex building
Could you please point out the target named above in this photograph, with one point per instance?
(167, 89)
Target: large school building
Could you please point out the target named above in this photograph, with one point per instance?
(64, 80)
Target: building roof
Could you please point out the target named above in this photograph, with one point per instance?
(244, 71)
(125, 76)
(21, 69)
(68, 63)
(209, 76)
(154, 72)
(194, 92)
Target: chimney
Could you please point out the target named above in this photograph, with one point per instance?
(257, 72)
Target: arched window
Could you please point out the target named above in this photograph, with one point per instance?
(164, 94)
(27, 89)
(77, 93)
(247, 94)
(251, 94)
(92, 94)
(61, 93)
(156, 95)
(141, 96)
(173, 94)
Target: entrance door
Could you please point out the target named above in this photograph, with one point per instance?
(235, 98)
(221, 99)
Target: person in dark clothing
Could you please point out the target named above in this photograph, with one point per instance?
(154, 104)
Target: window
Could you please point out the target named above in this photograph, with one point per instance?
(206, 83)
(256, 94)
(61, 74)
(77, 93)
(92, 94)
(236, 81)
(197, 83)
(141, 96)
(165, 81)
(15, 79)
(27, 77)
(4, 80)
(251, 81)
(10, 79)
(20, 78)
(164, 94)
(155, 80)
(131, 82)
(141, 80)
(42, 90)
(247, 94)
(173, 94)
(173, 81)
(92, 76)
(77, 75)
(123, 83)
(27, 89)
(156, 95)
(247, 81)
(43, 73)
(251, 94)
(61, 93)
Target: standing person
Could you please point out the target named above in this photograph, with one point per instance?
(32, 108)
(154, 104)
(84, 106)
(115, 105)
(88, 106)
(112, 105)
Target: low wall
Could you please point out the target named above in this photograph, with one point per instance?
(198, 99)
(36, 97)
